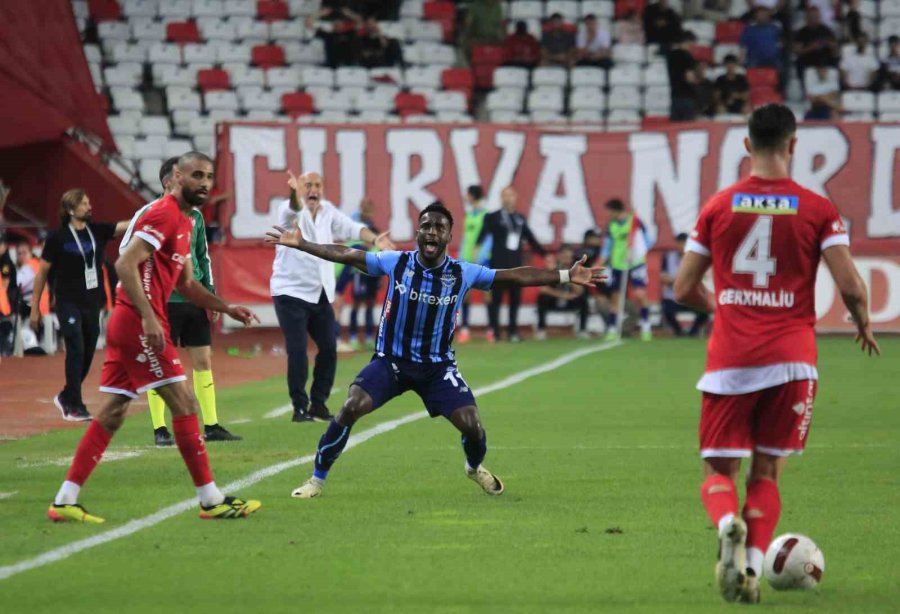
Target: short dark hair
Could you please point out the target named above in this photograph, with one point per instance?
(166, 169)
(556, 16)
(590, 17)
(475, 191)
(687, 37)
(437, 207)
(893, 38)
(521, 27)
(730, 59)
(681, 236)
(615, 204)
(771, 126)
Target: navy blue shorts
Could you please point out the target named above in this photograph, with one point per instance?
(365, 287)
(344, 279)
(440, 386)
(637, 278)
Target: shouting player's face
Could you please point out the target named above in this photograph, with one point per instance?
(196, 181)
(312, 188)
(433, 236)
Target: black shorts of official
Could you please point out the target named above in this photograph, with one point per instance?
(189, 325)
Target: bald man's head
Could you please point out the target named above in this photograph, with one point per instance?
(194, 175)
(312, 189)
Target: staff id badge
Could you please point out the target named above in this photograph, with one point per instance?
(512, 240)
(90, 278)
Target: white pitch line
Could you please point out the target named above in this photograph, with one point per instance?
(65, 461)
(7, 495)
(278, 411)
(133, 526)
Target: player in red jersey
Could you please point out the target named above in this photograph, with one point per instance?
(140, 355)
(764, 237)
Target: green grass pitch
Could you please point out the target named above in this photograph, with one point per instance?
(601, 513)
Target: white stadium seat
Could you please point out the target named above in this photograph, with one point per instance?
(620, 116)
(288, 30)
(199, 53)
(96, 75)
(257, 99)
(424, 76)
(569, 9)
(182, 98)
(92, 53)
(418, 30)
(285, 76)
(587, 98)
(176, 148)
(233, 53)
(128, 74)
(890, 8)
(125, 145)
(629, 54)
(223, 115)
(332, 117)
(587, 75)
(587, 116)
(526, 9)
(139, 8)
(657, 99)
(128, 52)
(155, 126)
(240, 8)
(251, 76)
(248, 29)
(858, 102)
(205, 144)
(303, 8)
(450, 101)
(547, 117)
(374, 117)
(549, 75)
(510, 76)
(379, 99)
(113, 30)
(386, 76)
(149, 148)
(148, 30)
(505, 99)
(218, 100)
(148, 171)
(656, 73)
(546, 98)
(206, 8)
(175, 9)
(202, 126)
(262, 115)
(164, 53)
(625, 74)
(338, 100)
(705, 31)
(312, 52)
(217, 29)
(412, 8)
(603, 9)
(120, 124)
(318, 76)
(624, 97)
(453, 117)
(442, 55)
(351, 76)
(888, 102)
(509, 117)
(181, 120)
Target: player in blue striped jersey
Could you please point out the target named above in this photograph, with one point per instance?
(414, 348)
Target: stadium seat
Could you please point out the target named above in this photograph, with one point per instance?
(127, 52)
(729, 31)
(656, 73)
(626, 97)
(113, 30)
(451, 101)
(888, 27)
(225, 101)
(126, 74)
(92, 53)
(164, 53)
(582, 76)
(255, 77)
(424, 31)
(251, 31)
(258, 99)
(412, 8)
(287, 76)
(125, 145)
(858, 102)
(123, 125)
(625, 74)
(96, 75)
(176, 148)
(720, 51)
(215, 29)
(442, 14)
(178, 97)
(374, 117)
(104, 10)
(155, 126)
(267, 56)
(233, 53)
(201, 9)
(169, 74)
(240, 8)
(705, 31)
(505, 99)
(526, 9)
(410, 104)
(202, 126)
(888, 102)
(569, 9)
(148, 171)
(623, 116)
(386, 76)
(629, 53)
(181, 120)
(140, 8)
(288, 31)
(549, 75)
(272, 10)
(199, 53)
(424, 76)
(889, 8)
(547, 117)
(327, 99)
(592, 116)
(182, 32)
(488, 54)
(510, 76)
(152, 148)
(351, 76)
(437, 54)
(657, 99)
(459, 79)
(213, 79)
(508, 117)
(702, 53)
(893, 117)
(175, 9)
(763, 94)
(546, 98)
(297, 103)
(603, 9)
(314, 75)
(380, 99)
(587, 98)
(767, 77)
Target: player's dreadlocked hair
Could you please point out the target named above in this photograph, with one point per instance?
(437, 207)
(69, 201)
(771, 127)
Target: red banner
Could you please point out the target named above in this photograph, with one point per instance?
(563, 178)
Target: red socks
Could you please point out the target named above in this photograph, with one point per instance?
(192, 448)
(719, 496)
(761, 511)
(89, 452)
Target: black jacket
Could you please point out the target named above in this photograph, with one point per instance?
(498, 226)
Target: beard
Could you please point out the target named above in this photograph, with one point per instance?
(192, 197)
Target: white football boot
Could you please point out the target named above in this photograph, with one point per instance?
(312, 487)
(732, 566)
(487, 480)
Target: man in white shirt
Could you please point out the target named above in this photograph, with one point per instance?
(302, 289)
(859, 66)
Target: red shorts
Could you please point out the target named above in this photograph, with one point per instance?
(772, 421)
(131, 368)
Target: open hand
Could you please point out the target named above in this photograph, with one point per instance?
(383, 243)
(586, 276)
(866, 339)
(242, 315)
(280, 235)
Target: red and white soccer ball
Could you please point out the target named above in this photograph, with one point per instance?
(793, 561)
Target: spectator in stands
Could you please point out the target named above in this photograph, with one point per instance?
(710, 10)
(823, 93)
(522, 48)
(385, 10)
(705, 91)
(859, 66)
(629, 30)
(853, 25)
(8, 290)
(557, 43)
(593, 44)
(670, 262)
(683, 79)
(339, 35)
(732, 89)
(761, 41)
(484, 24)
(778, 11)
(376, 49)
(826, 11)
(815, 43)
(4, 196)
(890, 66)
(563, 297)
(662, 25)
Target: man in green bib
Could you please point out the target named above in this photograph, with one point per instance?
(625, 253)
(469, 250)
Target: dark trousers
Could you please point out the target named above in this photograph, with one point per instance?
(546, 303)
(80, 327)
(515, 297)
(671, 309)
(300, 320)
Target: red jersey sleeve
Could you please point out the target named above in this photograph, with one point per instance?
(831, 231)
(158, 225)
(699, 241)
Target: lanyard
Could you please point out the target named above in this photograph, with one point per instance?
(81, 249)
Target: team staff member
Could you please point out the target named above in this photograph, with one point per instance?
(71, 260)
(469, 251)
(506, 229)
(190, 328)
(302, 289)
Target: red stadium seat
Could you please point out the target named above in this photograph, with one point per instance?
(484, 76)
(444, 13)
(105, 10)
(457, 79)
(272, 10)
(767, 77)
(266, 56)
(729, 31)
(764, 95)
(492, 55)
(213, 79)
(297, 103)
(624, 6)
(410, 104)
(703, 54)
(183, 32)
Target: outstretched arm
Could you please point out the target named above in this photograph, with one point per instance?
(335, 253)
(193, 290)
(689, 289)
(532, 276)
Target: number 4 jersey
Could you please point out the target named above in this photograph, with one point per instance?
(765, 238)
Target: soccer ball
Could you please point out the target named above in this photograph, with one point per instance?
(793, 561)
